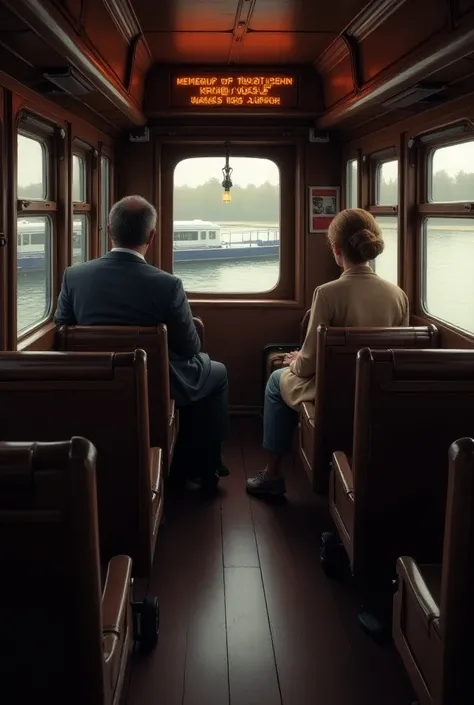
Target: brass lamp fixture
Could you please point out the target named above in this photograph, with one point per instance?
(227, 181)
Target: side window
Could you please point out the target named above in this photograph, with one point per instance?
(81, 190)
(104, 203)
(448, 237)
(35, 231)
(386, 202)
(352, 190)
(243, 225)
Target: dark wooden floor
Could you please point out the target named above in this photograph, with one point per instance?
(247, 615)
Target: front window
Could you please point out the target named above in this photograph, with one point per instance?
(245, 253)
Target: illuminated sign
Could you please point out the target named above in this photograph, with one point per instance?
(229, 90)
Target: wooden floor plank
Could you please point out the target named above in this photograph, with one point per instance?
(238, 535)
(252, 674)
(206, 675)
(316, 661)
(159, 677)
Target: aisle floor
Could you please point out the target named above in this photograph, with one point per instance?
(247, 615)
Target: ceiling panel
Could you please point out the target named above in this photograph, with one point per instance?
(192, 48)
(279, 31)
(281, 48)
(300, 15)
(186, 15)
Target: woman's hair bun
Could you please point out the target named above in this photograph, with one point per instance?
(367, 244)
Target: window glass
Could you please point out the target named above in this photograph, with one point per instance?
(78, 179)
(451, 173)
(351, 184)
(80, 239)
(448, 278)
(386, 264)
(242, 252)
(34, 283)
(104, 203)
(31, 169)
(387, 183)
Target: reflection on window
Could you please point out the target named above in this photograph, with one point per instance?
(387, 183)
(34, 283)
(240, 252)
(78, 179)
(80, 239)
(451, 173)
(31, 168)
(448, 281)
(386, 264)
(351, 184)
(104, 203)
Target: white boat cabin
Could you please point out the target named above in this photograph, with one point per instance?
(195, 234)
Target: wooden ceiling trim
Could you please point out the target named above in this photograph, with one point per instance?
(416, 66)
(366, 22)
(374, 15)
(124, 17)
(49, 25)
(334, 54)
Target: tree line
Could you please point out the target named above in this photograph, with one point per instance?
(262, 203)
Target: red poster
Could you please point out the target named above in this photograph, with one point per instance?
(323, 206)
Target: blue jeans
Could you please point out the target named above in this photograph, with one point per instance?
(279, 420)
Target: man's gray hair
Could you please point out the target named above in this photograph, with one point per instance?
(131, 221)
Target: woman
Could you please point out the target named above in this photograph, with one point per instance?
(358, 298)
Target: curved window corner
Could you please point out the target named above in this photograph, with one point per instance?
(32, 172)
(227, 247)
(352, 190)
(451, 173)
(34, 268)
(448, 284)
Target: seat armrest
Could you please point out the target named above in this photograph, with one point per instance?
(115, 596)
(200, 329)
(342, 467)
(408, 570)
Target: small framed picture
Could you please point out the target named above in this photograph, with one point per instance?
(323, 206)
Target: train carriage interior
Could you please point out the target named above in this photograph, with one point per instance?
(248, 125)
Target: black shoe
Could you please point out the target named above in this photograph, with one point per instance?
(209, 484)
(223, 471)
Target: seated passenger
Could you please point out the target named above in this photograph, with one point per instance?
(122, 289)
(358, 298)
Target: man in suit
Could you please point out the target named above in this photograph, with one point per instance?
(121, 288)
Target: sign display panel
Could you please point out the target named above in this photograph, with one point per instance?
(230, 90)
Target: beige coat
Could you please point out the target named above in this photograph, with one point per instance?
(358, 298)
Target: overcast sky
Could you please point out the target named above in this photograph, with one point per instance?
(193, 172)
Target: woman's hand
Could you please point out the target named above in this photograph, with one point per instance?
(290, 357)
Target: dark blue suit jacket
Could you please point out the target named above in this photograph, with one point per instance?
(121, 289)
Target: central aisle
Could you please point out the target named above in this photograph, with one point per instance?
(247, 615)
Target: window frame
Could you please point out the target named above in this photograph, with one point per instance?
(103, 243)
(40, 129)
(426, 209)
(288, 291)
(376, 160)
(348, 182)
(85, 152)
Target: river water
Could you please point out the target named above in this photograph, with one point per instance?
(449, 289)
